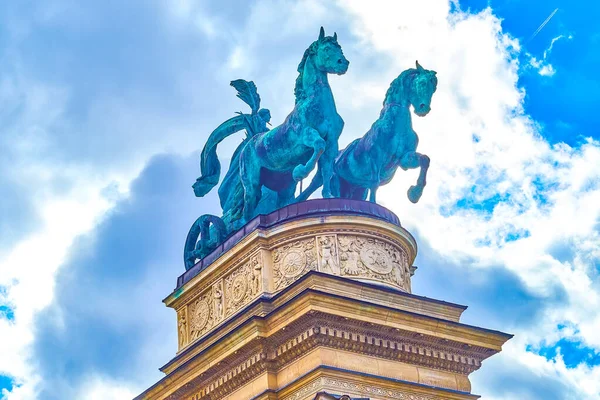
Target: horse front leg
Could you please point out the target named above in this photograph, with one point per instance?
(413, 160)
(312, 139)
(326, 168)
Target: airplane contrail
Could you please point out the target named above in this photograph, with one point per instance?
(543, 24)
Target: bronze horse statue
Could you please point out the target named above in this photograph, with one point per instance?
(286, 154)
(266, 167)
(371, 161)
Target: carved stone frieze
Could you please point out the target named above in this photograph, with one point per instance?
(256, 274)
(356, 253)
(439, 357)
(243, 284)
(337, 385)
(370, 258)
(328, 254)
(293, 260)
(305, 390)
(217, 290)
(182, 324)
(201, 315)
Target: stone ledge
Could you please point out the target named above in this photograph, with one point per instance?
(305, 209)
(302, 319)
(266, 262)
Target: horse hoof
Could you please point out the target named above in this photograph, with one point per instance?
(414, 193)
(298, 174)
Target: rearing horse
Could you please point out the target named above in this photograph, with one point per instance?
(281, 157)
(372, 161)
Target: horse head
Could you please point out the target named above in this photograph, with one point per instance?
(328, 55)
(421, 89)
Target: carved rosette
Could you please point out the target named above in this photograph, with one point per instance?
(374, 259)
(293, 260)
(244, 284)
(201, 315)
(366, 250)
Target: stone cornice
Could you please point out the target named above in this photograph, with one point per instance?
(269, 343)
(304, 210)
(312, 293)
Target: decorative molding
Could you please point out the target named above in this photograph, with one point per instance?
(243, 284)
(370, 258)
(345, 385)
(337, 249)
(182, 327)
(310, 388)
(201, 315)
(328, 259)
(293, 260)
(356, 388)
(317, 329)
(217, 290)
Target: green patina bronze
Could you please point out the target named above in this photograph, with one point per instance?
(371, 161)
(285, 155)
(266, 167)
(253, 123)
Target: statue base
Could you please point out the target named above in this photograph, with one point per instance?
(314, 301)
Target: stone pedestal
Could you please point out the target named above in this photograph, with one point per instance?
(314, 301)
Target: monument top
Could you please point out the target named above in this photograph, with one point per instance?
(269, 165)
(305, 209)
(289, 298)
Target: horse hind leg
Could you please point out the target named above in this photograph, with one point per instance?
(286, 196)
(373, 194)
(414, 160)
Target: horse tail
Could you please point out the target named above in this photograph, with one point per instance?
(206, 233)
(317, 182)
(210, 167)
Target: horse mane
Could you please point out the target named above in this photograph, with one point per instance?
(312, 49)
(402, 82)
(399, 85)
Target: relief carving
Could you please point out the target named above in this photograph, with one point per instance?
(328, 254)
(372, 258)
(293, 260)
(201, 315)
(243, 284)
(256, 276)
(218, 299)
(182, 324)
(343, 385)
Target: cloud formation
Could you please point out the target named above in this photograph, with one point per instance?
(92, 221)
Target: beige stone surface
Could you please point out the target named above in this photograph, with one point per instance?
(266, 262)
(319, 304)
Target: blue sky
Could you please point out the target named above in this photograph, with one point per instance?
(566, 102)
(104, 107)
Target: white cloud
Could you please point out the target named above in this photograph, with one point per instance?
(477, 95)
(29, 269)
(99, 388)
(543, 66)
